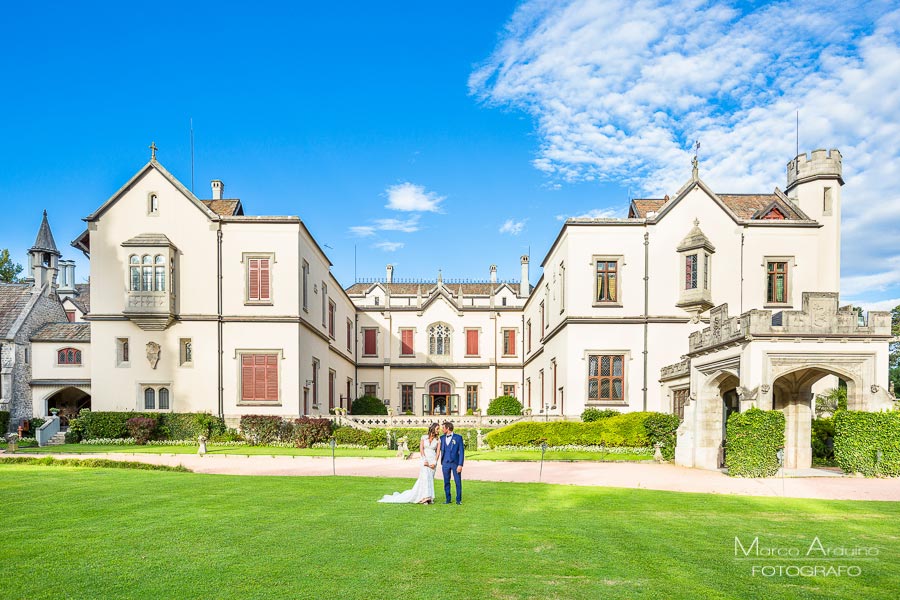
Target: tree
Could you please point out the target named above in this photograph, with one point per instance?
(894, 360)
(9, 270)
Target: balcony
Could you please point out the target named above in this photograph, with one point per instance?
(151, 311)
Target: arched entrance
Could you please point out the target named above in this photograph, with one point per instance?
(702, 432)
(439, 400)
(69, 401)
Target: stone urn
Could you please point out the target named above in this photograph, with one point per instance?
(13, 443)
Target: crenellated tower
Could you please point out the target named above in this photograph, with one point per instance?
(814, 183)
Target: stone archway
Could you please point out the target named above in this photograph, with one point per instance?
(69, 400)
(705, 419)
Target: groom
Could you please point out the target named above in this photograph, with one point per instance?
(452, 456)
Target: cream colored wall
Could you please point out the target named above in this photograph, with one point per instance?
(44, 361)
(280, 240)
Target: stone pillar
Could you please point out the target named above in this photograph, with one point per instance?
(798, 429)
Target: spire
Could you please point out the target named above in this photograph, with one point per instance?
(44, 241)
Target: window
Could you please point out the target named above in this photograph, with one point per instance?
(315, 382)
(370, 338)
(259, 279)
(606, 378)
(502, 301)
(163, 398)
(331, 379)
(68, 356)
(406, 398)
(324, 304)
(406, 342)
(149, 399)
(259, 378)
(705, 271)
(528, 391)
(471, 342)
(70, 316)
(377, 300)
(159, 278)
(156, 398)
(471, 397)
(562, 287)
(679, 399)
(690, 272)
(146, 274)
(185, 351)
(349, 337)
(607, 285)
(509, 389)
(509, 342)
(439, 340)
(152, 204)
(543, 319)
(135, 262)
(121, 352)
(370, 389)
(528, 333)
(776, 282)
(332, 308)
(826, 202)
(305, 285)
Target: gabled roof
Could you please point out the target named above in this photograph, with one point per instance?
(82, 297)
(153, 164)
(44, 241)
(225, 208)
(63, 332)
(14, 300)
(641, 206)
(428, 288)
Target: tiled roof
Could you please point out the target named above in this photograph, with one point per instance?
(744, 206)
(14, 297)
(63, 332)
(411, 289)
(640, 207)
(148, 239)
(82, 297)
(224, 208)
(44, 240)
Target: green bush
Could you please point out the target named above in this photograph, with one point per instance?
(141, 429)
(822, 429)
(504, 405)
(170, 426)
(661, 429)
(859, 436)
(33, 425)
(229, 435)
(104, 424)
(371, 439)
(368, 405)
(260, 430)
(754, 438)
(627, 429)
(4, 421)
(595, 414)
(189, 426)
(304, 432)
(413, 434)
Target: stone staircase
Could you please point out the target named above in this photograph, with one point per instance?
(58, 439)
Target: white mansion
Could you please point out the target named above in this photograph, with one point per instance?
(194, 306)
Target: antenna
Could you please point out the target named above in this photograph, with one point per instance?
(354, 263)
(798, 141)
(192, 155)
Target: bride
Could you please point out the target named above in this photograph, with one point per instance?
(423, 491)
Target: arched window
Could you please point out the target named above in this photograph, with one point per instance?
(153, 204)
(68, 356)
(147, 273)
(160, 273)
(439, 339)
(163, 398)
(149, 399)
(135, 261)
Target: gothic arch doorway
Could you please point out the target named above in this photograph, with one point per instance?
(439, 400)
(69, 400)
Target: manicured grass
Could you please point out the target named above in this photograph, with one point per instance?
(239, 450)
(110, 533)
(561, 455)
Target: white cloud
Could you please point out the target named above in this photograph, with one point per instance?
(362, 230)
(405, 225)
(887, 305)
(389, 246)
(597, 213)
(512, 227)
(411, 197)
(619, 90)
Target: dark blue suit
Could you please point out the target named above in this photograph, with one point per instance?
(453, 454)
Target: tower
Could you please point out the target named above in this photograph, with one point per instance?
(43, 257)
(814, 184)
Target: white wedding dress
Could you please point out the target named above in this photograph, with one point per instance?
(424, 488)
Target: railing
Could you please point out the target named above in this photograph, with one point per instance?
(45, 432)
(679, 369)
(471, 421)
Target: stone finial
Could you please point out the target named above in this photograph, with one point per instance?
(153, 150)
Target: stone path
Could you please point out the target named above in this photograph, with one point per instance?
(621, 475)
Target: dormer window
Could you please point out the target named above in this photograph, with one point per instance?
(695, 257)
(152, 204)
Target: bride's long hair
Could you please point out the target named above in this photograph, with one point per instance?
(433, 431)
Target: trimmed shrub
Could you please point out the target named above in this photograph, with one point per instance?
(305, 432)
(260, 430)
(661, 429)
(4, 421)
(371, 439)
(104, 424)
(504, 405)
(141, 429)
(753, 440)
(860, 436)
(170, 426)
(229, 435)
(626, 429)
(368, 405)
(595, 414)
(189, 426)
(822, 430)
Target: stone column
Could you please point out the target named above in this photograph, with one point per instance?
(798, 428)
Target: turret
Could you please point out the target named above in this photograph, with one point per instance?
(524, 285)
(43, 257)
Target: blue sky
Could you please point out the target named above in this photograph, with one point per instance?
(450, 135)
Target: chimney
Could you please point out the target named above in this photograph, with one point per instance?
(217, 189)
(389, 275)
(67, 276)
(493, 273)
(524, 286)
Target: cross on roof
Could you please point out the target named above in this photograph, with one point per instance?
(153, 150)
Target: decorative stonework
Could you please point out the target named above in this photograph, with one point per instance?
(153, 354)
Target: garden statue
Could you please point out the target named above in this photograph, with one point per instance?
(657, 455)
(403, 447)
(202, 450)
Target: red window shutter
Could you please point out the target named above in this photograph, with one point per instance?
(272, 377)
(370, 342)
(254, 279)
(472, 342)
(259, 377)
(247, 372)
(264, 279)
(512, 341)
(406, 341)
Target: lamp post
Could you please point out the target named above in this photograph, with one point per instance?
(543, 450)
(333, 467)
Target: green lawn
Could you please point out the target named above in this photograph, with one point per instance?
(112, 533)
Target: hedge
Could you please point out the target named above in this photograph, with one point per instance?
(377, 438)
(504, 405)
(368, 405)
(822, 429)
(4, 421)
(859, 436)
(170, 426)
(662, 429)
(595, 414)
(753, 440)
(628, 429)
